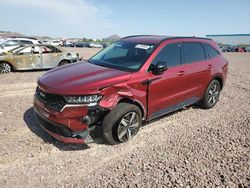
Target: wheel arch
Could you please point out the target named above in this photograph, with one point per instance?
(219, 79)
(131, 101)
(64, 60)
(12, 67)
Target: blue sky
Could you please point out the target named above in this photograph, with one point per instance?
(101, 18)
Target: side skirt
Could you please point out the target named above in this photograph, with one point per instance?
(174, 107)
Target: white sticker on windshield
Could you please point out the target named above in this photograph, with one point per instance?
(143, 46)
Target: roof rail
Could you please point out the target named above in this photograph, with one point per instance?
(138, 36)
(21, 37)
(176, 37)
(167, 37)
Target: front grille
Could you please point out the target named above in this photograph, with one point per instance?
(58, 129)
(52, 101)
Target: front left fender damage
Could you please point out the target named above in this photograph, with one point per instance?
(111, 96)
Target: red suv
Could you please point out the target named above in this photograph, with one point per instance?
(136, 79)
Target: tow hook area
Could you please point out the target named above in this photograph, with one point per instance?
(83, 135)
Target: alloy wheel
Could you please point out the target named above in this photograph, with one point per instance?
(5, 68)
(213, 94)
(128, 126)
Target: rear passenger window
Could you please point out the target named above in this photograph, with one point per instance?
(36, 49)
(25, 42)
(169, 54)
(192, 52)
(53, 49)
(211, 52)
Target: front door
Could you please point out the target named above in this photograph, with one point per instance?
(28, 58)
(9, 45)
(166, 91)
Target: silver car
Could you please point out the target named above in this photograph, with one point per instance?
(35, 57)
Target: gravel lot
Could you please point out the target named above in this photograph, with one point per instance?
(189, 148)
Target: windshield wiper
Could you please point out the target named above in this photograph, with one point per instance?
(89, 61)
(99, 64)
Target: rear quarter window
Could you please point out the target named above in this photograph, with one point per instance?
(210, 51)
(192, 52)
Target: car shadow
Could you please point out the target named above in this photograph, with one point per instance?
(32, 124)
(33, 70)
(96, 134)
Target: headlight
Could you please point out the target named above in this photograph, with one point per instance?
(83, 99)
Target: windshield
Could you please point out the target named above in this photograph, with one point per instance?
(127, 56)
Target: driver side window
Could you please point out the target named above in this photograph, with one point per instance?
(29, 50)
(25, 51)
(171, 54)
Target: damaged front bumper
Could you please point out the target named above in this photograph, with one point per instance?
(61, 132)
(71, 123)
(67, 125)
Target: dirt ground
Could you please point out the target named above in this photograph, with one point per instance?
(189, 148)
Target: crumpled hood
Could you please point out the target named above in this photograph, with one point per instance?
(77, 77)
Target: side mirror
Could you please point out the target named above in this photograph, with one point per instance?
(1, 46)
(160, 67)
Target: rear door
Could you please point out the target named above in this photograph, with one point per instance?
(51, 56)
(197, 69)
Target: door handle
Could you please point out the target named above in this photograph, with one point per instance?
(180, 73)
(210, 66)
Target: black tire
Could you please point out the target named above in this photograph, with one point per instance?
(5, 68)
(63, 62)
(112, 123)
(211, 97)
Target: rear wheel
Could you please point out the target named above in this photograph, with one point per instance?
(122, 123)
(212, 94)
(5, 68)
(63, 62)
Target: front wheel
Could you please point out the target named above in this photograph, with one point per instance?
(212, 94)
(122, 123)
(5, 68)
